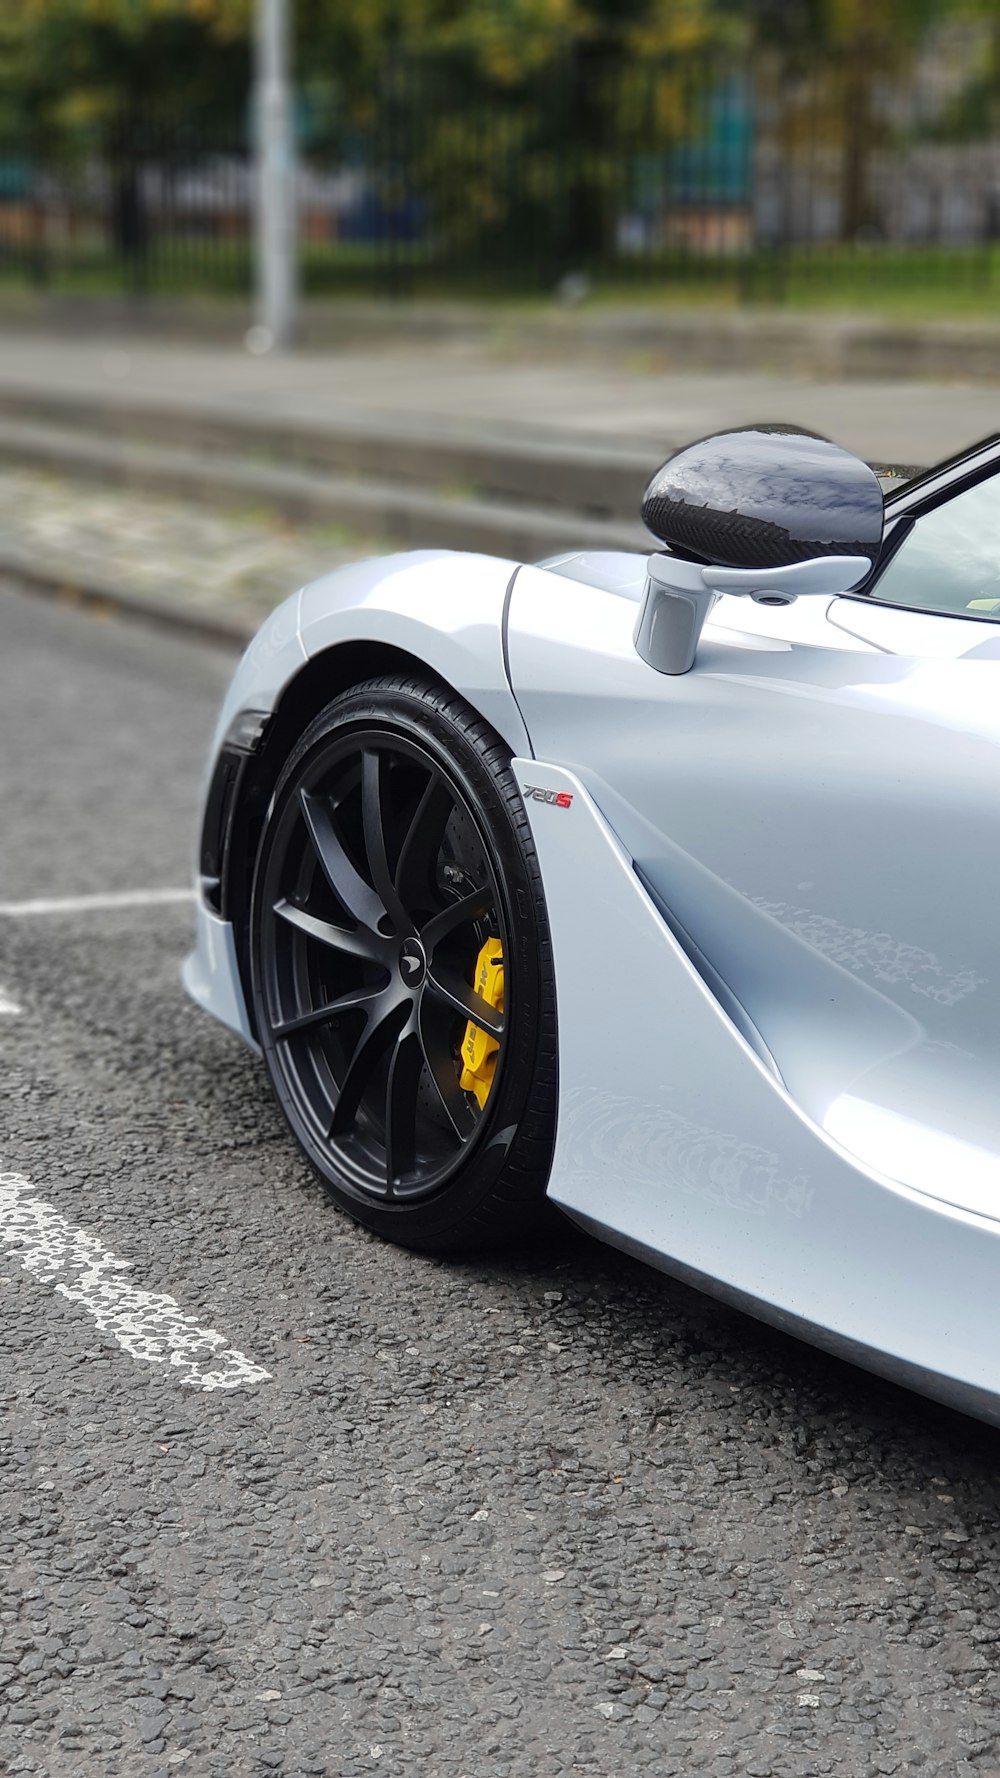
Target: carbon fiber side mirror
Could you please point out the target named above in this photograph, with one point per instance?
(768, 511)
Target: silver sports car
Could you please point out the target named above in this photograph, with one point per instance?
(662, 889)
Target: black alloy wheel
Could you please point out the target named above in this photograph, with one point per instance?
(402, 972)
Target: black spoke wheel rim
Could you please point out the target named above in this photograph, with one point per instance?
(378, 894)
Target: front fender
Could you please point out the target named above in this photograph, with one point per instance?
(444, 607)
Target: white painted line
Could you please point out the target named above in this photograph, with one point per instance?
(146, 1324)
(82, 904)
(8, 1007)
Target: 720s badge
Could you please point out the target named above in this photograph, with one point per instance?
(561, 798)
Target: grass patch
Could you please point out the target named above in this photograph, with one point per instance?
(895, 283)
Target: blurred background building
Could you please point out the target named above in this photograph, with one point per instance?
(792, 151)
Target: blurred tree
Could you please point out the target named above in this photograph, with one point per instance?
(852, 49)
(517, 119)
(559, 81)
(508, 39)
(64, 62)
(80, 73)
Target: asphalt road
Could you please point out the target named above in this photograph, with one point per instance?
(552, 1516)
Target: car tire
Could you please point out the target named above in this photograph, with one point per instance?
(396, 877)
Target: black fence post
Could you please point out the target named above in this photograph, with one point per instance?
(37, 256)
(129, 218)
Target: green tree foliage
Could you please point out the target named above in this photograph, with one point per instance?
(563, 85)
(87, 81)
(67, 63)
(89, 55)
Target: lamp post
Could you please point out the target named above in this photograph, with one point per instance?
(277, 244)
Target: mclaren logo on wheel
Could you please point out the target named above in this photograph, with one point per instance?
(412, 963)
(560, 798)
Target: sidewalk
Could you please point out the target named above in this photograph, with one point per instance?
(460, 389)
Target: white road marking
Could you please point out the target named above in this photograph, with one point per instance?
(8, 1007)
(146, 1324)
(81, 904)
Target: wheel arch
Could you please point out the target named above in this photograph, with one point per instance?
(320, 679)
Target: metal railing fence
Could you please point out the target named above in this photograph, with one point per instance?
(688, 171)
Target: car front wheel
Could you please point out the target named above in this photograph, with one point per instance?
(402, 970)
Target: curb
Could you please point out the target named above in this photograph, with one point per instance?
(102, 598)
(603, 479)
(381, 509)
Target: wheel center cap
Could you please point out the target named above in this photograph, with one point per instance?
(412, 963)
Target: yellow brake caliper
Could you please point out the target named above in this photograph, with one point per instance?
(479, 1048)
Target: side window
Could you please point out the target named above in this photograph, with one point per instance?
(951, 559)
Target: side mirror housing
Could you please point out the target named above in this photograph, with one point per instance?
(768, 511)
